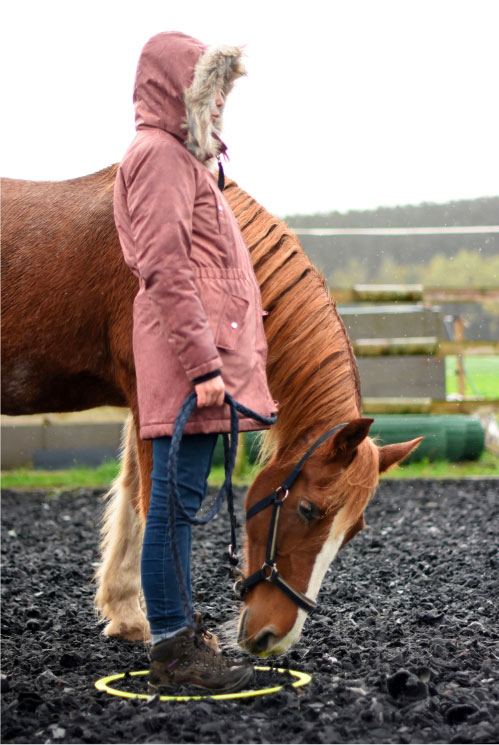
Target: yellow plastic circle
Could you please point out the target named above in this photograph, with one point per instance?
(302, 679)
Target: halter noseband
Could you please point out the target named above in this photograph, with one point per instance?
(268, 571)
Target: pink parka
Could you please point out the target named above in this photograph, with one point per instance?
(198, 308)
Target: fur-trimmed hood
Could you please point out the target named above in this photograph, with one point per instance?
(176, 84)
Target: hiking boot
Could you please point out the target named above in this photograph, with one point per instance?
(185, 659)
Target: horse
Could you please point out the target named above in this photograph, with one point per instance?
(67, 346)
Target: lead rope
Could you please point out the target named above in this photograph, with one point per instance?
(174, 504)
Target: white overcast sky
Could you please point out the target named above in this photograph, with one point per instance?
(348, 104)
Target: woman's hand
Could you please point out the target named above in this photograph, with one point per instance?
(211, 392)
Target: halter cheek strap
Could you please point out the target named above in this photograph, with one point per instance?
(268, 571)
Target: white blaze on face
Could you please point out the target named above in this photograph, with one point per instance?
(322, 562)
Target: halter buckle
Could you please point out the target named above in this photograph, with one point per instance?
(273, 570)
(286, 493)
(238, 589)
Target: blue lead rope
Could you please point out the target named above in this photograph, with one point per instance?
(174, 504)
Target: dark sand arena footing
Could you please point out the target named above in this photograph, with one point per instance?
(403, 648)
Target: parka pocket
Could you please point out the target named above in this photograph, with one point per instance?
(220, 209)
(231, 322)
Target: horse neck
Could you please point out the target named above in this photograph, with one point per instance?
(311, 368)
(313, 376)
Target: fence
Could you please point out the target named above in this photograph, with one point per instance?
(410, 363)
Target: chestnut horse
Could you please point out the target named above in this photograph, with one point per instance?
(67, 346)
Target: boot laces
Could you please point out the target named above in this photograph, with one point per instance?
(200, 626)
(203, 653)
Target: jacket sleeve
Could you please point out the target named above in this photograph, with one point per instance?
(161, 189)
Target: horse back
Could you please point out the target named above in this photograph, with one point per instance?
(67, 297)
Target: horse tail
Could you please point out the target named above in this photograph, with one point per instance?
(118, 575)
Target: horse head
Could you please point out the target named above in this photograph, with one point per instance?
(319, 514)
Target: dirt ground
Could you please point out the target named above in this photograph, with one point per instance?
(403, 648)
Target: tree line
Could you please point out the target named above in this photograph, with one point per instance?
(432, 260)
(467, 268)
(482, 211)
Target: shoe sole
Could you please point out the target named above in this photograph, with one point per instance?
(152, 689)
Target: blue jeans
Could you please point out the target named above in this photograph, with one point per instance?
(165, 610)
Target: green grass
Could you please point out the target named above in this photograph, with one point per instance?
(94, 478)
(486, 465)
(72, 478)
(482, 371)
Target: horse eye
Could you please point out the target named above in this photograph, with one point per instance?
(309, 510)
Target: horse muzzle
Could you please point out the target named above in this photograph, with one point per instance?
(262, 643)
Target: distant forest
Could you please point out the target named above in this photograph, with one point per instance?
(483, 211)
(433, 260)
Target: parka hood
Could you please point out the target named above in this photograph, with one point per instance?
(176, 84)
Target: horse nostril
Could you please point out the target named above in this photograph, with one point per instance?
(263, 642)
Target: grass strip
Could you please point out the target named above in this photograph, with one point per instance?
(101, 477)
(483, 372)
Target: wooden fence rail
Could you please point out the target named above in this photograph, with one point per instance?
(422, 345)
(414, 293)
(431, 347)
(423, 405)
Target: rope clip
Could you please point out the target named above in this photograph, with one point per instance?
(231, 555)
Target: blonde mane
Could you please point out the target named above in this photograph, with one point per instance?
(311, 368)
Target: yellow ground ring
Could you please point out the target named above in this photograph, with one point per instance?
(302, 679)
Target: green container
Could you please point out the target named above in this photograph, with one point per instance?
(475, 439)
(455, 425)
(452, 437)
(392, 428)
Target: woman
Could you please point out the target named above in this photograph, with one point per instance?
(197, 320)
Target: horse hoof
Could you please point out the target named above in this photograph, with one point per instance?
(130, 633)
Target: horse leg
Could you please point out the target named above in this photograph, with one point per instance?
(118, 576)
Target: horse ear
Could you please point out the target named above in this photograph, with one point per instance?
(391, 454)
(348, 438)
